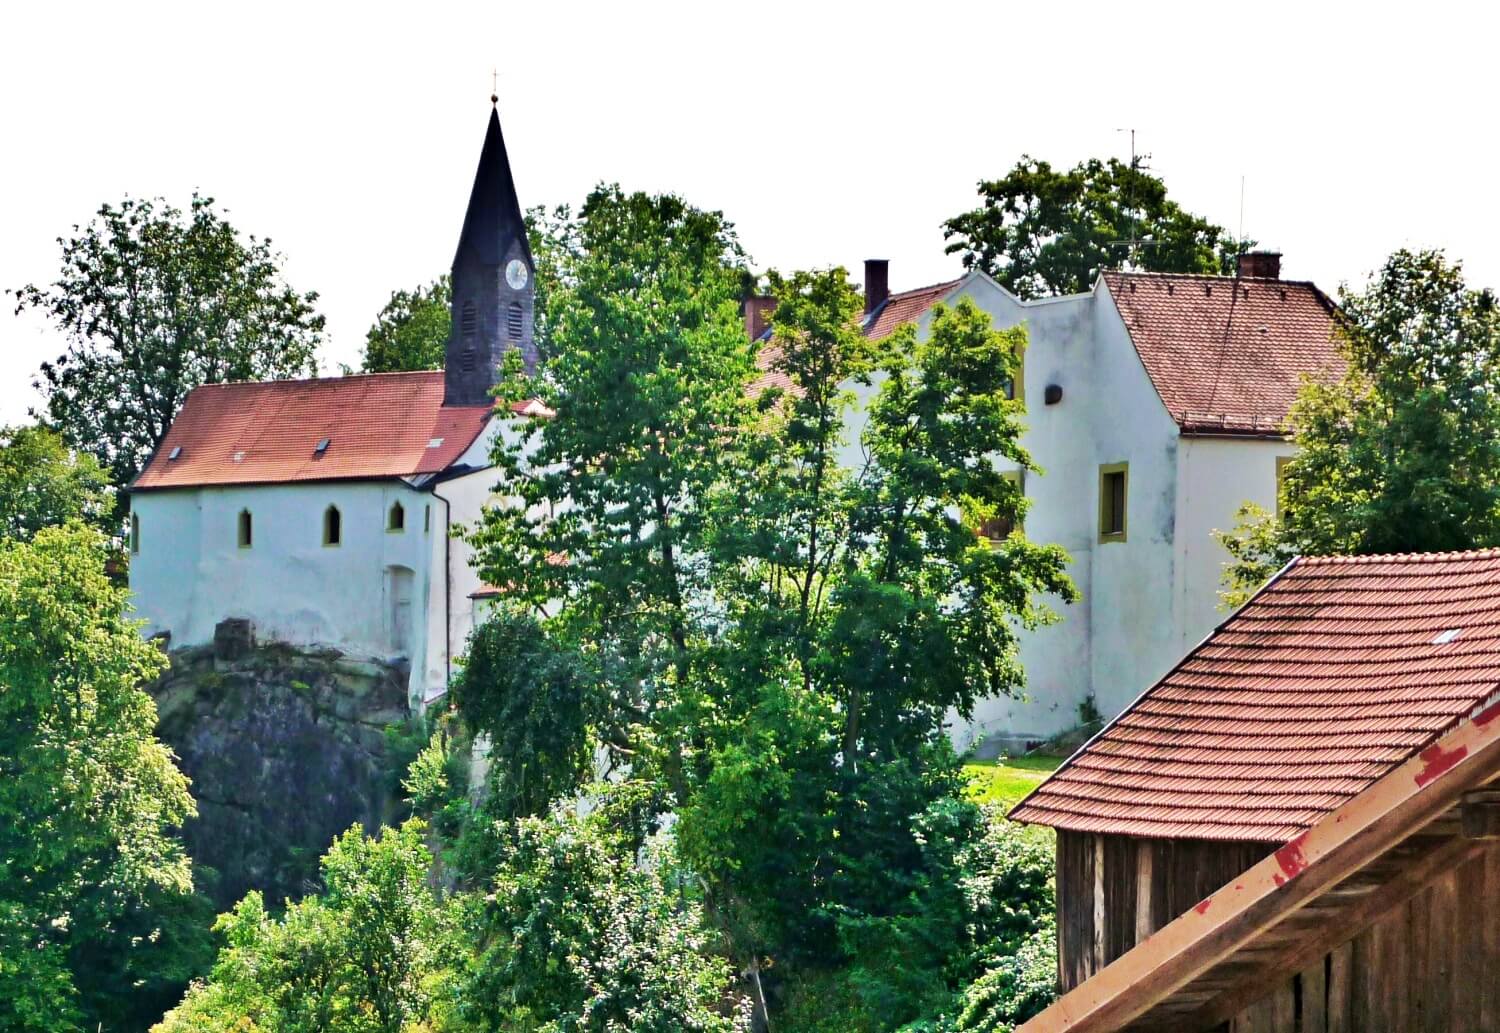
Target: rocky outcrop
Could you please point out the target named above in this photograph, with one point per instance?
(286, 748)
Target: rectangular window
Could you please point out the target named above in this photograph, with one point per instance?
(426, 519)
(1114, 489)
(1015, 387)
(1281, 462)
(246, 534)
(135, 533)
(999, 527)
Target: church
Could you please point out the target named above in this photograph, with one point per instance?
(322, 510)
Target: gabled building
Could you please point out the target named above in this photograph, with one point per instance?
(1155, 407)
(1297, 828)
(322, 510)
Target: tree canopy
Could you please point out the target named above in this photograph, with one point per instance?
(43, 483)
(1041, 231)
(1402, 452)
(766, 638)
(89, 799)
(154, 301)
(411, 331)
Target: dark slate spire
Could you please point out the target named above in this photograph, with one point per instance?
(493, 296)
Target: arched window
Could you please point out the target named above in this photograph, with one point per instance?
(246, 530)
(514, 320)
(333, 526)
(135, 532)
(396, 519)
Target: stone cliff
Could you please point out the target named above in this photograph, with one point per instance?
(286, 748)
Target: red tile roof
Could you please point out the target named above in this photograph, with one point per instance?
(377, 425)
(901, 307)
(1226, 355)
(906, 307)
(1331, 676)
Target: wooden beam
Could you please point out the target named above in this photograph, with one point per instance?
(1480, 812)
(1404, 885)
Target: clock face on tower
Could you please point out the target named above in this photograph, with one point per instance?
(516, 274)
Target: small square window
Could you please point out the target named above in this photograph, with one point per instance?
(1114, 487)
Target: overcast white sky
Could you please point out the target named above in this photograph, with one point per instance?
(829, 132)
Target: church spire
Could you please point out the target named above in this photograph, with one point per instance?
(493, 297)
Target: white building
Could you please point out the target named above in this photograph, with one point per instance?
(1154, 407)
(322, 510)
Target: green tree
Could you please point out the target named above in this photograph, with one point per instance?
(577, 936)
(89, 798)
(43, 483)
(154, 301)
(376, 952)
(775, 637)
(1401, 453)
(648, 374)
(411, 332)
(1042, 231)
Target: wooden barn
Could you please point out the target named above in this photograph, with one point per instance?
(1296, 829)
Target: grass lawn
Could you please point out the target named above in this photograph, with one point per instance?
(1006, 780)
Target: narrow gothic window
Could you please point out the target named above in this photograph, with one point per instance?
(513, 321)
(396, 519)
(332, 526)
(426, 519)
(245, 529)
(135, 532)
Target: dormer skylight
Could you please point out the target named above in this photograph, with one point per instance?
(322, 446)
(176, 451)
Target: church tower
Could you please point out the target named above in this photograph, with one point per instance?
(493, 290)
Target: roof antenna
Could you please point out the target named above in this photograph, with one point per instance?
(495, 86)
(1240, 243)
(1133, 243)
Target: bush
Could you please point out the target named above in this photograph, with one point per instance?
(579, 934)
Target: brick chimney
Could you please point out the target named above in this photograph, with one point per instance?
(758, 309)
(877, 282)
(1260, 265)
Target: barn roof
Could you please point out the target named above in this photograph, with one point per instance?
(375, 425)
(1240, 945)
(1226, 354)
(1332, 675)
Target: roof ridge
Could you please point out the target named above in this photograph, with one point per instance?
(1399, 557)
(340, 379)
(922, 290)
(1147, 273)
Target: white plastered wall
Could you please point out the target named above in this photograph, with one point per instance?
(1215, 477)
(191, 572)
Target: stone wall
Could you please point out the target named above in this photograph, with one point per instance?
(286, 748)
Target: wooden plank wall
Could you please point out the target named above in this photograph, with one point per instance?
(1431, 964)
(1113, 891)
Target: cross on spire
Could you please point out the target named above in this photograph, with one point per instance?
(495, 86)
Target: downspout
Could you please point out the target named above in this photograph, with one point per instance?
(447, 589)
